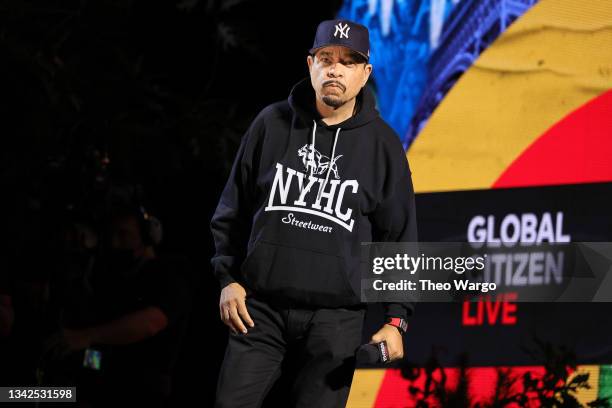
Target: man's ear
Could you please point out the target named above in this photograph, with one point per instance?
(309, 61)
(368, 68)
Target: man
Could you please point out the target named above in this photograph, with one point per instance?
(139, 310)
(313, 178)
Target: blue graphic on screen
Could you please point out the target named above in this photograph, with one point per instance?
(419, 48)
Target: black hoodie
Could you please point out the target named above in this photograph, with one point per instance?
(280, 234)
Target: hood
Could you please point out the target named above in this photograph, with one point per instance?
(302, 102)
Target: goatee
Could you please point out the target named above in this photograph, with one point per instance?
(333, 102)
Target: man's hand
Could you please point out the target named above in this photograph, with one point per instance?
(65, 342)
(233, 308)
(392, 336)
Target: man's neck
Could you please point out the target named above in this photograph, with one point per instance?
(333, 116)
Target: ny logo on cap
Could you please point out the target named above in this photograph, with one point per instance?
(343, 30)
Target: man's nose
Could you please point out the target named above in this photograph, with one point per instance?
(334, 71)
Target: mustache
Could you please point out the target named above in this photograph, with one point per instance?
(332, 82)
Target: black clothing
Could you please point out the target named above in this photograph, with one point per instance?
(325, 338)
(302, 196)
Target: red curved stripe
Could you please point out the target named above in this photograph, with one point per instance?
(577, 149)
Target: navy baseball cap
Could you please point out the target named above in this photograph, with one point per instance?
(343, 32)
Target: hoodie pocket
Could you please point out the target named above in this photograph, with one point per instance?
(298, 275)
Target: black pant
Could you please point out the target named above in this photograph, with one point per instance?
(324, 341)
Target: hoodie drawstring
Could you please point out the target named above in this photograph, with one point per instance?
(312, 146)
(331, 160)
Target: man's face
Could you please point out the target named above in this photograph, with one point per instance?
(337, 75)
(125, 234)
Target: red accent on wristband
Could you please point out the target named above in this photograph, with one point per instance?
(397, 322)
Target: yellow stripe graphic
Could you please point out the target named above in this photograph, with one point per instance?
(552, 60)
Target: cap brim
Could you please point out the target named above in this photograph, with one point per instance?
(313, 50)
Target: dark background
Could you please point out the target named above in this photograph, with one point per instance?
(142, 93)
(96, 94)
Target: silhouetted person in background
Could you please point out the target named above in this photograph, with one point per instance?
(139, 310)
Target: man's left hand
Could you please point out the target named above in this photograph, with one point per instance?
(66, 341)
(392, 336)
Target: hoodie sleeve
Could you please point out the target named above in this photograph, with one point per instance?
(231, 222)
(394, 219)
